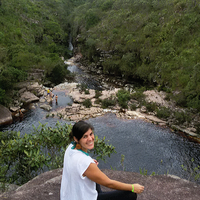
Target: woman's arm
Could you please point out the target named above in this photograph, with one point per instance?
(96, 175)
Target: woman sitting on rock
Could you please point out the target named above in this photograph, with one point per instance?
(81, 178)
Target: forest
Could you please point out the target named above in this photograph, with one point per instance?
(153, 41)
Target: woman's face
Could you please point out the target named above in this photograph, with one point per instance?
(87, 141)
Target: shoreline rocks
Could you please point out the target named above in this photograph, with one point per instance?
(27, 93)
(77, 111)
(5, 116)
(46, 186)
(152, 96)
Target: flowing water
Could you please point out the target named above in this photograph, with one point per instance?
(144, 145)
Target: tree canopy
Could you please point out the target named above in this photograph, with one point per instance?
(155, 41)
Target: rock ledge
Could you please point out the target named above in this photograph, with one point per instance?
(46, 186)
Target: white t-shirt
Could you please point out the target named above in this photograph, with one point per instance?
(73, 185)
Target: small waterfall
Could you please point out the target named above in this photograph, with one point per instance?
(70, 43)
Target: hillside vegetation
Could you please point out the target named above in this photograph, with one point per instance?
(33, 34)
(154, 41)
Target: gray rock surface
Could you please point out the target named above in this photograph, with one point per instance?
(28, 97)
(5, 115)
(46, 186)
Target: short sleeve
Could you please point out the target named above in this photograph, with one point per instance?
(83, 164)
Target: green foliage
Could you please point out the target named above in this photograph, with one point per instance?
(97, 94)
(193, 170)
(198, 128)
(91, 18)
(58, 74)
(143, 172)
(4, 99)
(122, 161)
(2, 96)
(9, 76)
(24, 157)
(123, 98)
(106, 103)
(107, 5)
(156, 42)
(102, 150)
(133, 106)
(83, 88)
(151, 106)
(182, 117)
(34, 34)
(181, 35)
(137, 95)
(87, 103)
(163, 113)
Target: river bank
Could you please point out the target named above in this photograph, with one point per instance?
(30, 92)
(146, 143)
(151, 96)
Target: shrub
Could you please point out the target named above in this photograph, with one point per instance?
(91, 18)
(83, 87)
(24, 157)
(133, 106)
(181, 35)
(87, 91)
(163, 113)
(181, 99)
(182, 117)
(87, 103)
(138, 95)
(107, 5)
(108, 102)
(198, 128)
(58, 74)
(151, 106)
(97, 94)
(123, 97)
(2, 96)
(98, 101)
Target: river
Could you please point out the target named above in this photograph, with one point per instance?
(146, 147)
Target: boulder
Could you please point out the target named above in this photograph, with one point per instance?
(35, 87)
(14, 109)
(28, 97)
(154, 119)
(46, 107)
(46, 186)
(5, 116)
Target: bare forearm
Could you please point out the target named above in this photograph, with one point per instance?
(96, 175)
(119, 185)
(125, 186)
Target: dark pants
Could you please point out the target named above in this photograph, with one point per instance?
(115, 195)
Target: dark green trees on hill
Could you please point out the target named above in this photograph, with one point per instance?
(33, 34)
(150, 40)
(155, 41)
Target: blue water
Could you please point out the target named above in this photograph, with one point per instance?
(146, 147)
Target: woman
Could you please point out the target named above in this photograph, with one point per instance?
(82, 178)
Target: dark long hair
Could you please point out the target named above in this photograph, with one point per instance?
(79, 129)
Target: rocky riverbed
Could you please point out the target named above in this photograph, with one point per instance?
(30, 92)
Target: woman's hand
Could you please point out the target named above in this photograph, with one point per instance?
(96, 175)
(96, 162)
(138, 188)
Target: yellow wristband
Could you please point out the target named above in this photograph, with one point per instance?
(132, 188)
